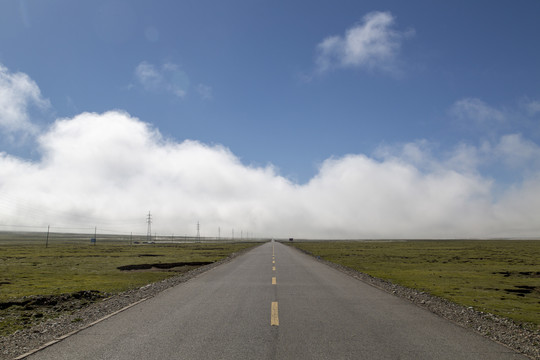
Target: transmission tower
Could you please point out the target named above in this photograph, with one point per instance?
(149, 222)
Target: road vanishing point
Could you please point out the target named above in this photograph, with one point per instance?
(275, 302)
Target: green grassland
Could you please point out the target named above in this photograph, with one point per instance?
(32, 269)
(497, 276)
(28, 269)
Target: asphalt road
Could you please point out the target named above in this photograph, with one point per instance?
(290, 307)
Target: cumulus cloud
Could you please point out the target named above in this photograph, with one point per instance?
(112, 166)
(371, 44)
(109, 169)
(18, 94)
(168, 78)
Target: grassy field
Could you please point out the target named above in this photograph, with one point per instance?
(500, 277)
(28, 268)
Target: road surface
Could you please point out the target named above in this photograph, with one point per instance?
(275, 303)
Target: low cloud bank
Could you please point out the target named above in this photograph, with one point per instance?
(108, 170)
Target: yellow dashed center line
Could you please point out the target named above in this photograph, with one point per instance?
(274, 318)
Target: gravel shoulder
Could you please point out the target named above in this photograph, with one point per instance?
(505, 331)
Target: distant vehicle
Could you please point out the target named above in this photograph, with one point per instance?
(290, 239)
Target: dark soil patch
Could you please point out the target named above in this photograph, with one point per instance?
(53, 300)
(533, 274)
(530, 273)
(521, 290)
(163, 266)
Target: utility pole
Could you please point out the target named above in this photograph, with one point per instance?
(218, 232)
(149, 232)
(47, 243)
(198, 232)
(95, 235)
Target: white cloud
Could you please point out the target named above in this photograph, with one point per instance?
(394, 199)
(169, 78)
(466, 158)
(478, 112)
(517, 152)
(149, 76)
(18, 93)
(372, 44)
(109, 169)
(533, 107)
(417, 153)
(473, 115)
(509, 152)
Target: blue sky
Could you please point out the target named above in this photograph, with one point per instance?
(290, 86)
